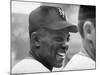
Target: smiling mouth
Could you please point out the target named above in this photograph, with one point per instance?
(61, 53)
(60, 56)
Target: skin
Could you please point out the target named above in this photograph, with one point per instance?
(52, 48)
(89, 40)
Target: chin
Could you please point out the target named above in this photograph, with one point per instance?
(58, 65)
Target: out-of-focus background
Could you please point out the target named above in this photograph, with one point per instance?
(19, 28)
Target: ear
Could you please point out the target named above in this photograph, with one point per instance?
(35, 40)
(88, 30)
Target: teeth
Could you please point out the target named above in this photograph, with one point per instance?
(60, 56)
(63, 54)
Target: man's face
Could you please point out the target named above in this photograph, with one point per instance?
(90, 38)
(53, 47)
(93, 44)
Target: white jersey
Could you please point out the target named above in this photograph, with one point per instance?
(29, 66)
(80, 62)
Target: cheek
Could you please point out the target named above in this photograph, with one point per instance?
(48, 49)
(94, 39)
(45, 47)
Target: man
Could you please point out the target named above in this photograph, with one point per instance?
(49, 35)
(86, 58)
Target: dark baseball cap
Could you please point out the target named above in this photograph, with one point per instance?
(51, 18)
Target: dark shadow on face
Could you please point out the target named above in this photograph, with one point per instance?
(53, 47)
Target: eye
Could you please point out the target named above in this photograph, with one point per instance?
(68, 37)
(59, 39)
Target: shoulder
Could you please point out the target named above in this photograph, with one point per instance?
(78, 62)
(29, 65)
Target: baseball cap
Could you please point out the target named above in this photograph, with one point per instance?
(50, 17)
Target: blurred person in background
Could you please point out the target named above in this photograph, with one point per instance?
(49, 38)
(86, 58)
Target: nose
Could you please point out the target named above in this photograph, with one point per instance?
(65, 45)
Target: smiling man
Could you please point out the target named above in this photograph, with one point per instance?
(49, 37)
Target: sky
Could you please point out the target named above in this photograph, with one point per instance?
(23, 7)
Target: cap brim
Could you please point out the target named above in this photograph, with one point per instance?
(72, 29)
(63, 26)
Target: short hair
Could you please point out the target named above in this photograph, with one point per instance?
(86, 13)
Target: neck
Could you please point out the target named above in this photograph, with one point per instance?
(44, 62)
(88, 48)
(83, 52)
(41, 60)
